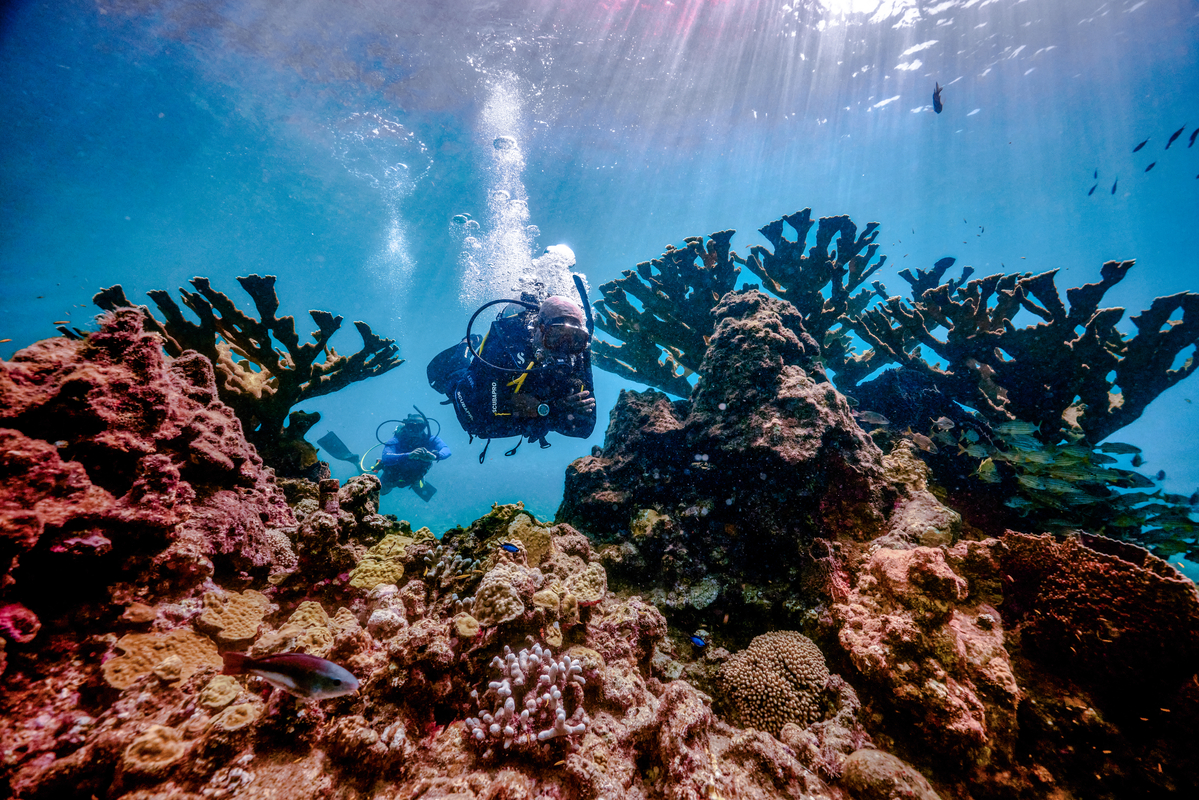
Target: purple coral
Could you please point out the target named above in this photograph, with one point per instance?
(544, 716)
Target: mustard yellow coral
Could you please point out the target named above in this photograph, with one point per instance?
(220, 692)
(153, 752)
(234, 616)
(497, 602)
(143, 652)
(590, 585)
(535, 538)
(382, 563)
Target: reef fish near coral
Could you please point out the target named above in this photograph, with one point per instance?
(301, 674)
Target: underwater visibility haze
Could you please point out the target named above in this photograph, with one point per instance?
(870, 496)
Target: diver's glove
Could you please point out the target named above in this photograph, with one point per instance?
(421, 454)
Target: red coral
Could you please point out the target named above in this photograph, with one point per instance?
(117, 454)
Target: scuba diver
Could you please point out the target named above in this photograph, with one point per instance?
(531, 374)
(407, 456)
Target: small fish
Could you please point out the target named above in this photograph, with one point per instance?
(937, 106)
(970, 435)
(300, 674)
(988, 472)
(1017, 427)
(697, 641)
(871, 418)
(942, 423)
(1139, 146)
(1031, 482)
(1137, 460)
(1160, 476)
(921, 441)
(1096, 175)
(1093, 188)
(1151, 166)
(1175, 135)
(1194, 133)
(509, 547)
(1119, 448)
(5, 341)
(62, 322)
(1114, 185)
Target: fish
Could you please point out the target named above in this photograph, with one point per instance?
(871, 418)
(1194, 499)
(1096, 175)
(1194, 133)
(942, 423)
(988, 472)
(1119, 448)
(509, 547)
(937, 106)
(5, 341)
(1030, 481)
(1093, 188)
(1139, 146)
(1025, 443)
(1151, 166)
(970, 435)
(1114, 185)
(1160, 476)
(697, 641)
(299, 674)
(1018, 428)
(1175, 135)
(921, 441)
(1137, 460)
(976, 450)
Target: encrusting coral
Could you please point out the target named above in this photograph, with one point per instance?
(257, 379)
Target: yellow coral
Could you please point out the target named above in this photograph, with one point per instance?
(234, 718)
(777, 680)
(220, 692)
(643, 524)
(234, 616)
(143, 652)
(497, 602)
(466, 626)
(588, 586)
(547, 599)
(535, 538)
(307, 630)
(151, 753)
(381, 564)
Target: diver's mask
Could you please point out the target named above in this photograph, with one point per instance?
(563, 335)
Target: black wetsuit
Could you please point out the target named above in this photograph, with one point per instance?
(494, 404)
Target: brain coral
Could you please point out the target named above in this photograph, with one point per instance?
(777, 680)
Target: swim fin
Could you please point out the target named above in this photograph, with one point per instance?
(336, 448)
(424, 490)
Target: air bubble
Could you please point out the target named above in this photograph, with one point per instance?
(723, 406)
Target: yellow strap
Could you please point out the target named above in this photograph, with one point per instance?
(519, 382)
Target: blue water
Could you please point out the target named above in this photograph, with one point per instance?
(331, 143)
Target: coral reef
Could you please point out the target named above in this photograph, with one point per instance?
(125, 478)
(692, 493)
(262, 369)
(742, 596)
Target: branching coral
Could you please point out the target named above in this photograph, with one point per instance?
(664, 340)
(262, 369)
(556, 685)
(1074, 360)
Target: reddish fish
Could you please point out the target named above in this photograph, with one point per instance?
(300, 674)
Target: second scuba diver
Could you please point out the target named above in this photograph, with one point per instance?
(531, 374)
(408, 455)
